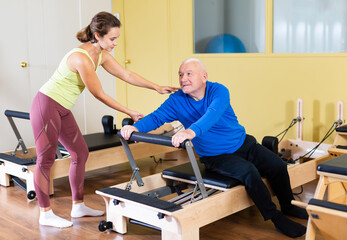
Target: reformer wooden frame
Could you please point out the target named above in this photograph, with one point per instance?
(330, 222)
(325, 179)
(184, 224)
(333, 186)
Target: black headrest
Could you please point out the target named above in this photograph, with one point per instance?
(342, 128)
(107, 123)
(270, 143)
(127, 121)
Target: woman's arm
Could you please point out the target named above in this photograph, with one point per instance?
(113, 67)
(79, 62)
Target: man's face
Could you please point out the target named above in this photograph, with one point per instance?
(192, 78)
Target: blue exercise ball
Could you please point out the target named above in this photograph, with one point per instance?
(225, 43)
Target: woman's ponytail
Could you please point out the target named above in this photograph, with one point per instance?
(101, 24)
(84, 35)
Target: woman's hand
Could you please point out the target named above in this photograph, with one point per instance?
(166, 89)
(135, 115)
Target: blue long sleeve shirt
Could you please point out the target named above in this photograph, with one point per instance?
(212, 119)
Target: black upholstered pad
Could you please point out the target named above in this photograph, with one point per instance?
(336, 165)
(326, 204)
(97, 141)
(26, 162)
(143, 199)
(185, 171)
(342, 128)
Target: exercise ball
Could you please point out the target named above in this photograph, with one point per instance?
(225, 43)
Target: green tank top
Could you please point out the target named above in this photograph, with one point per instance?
(65, 85)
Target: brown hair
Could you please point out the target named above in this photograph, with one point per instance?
(101, 24)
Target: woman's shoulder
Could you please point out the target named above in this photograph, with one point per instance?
(77, 53)
(79, 56)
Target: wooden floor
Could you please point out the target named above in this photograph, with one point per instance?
(19, 216)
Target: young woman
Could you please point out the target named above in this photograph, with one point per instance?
(52, 120)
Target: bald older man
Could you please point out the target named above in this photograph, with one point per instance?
(204, 109)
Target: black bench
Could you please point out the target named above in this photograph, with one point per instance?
(185, 172)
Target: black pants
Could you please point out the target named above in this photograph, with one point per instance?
(248, 164)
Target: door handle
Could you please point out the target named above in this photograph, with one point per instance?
(24, 64)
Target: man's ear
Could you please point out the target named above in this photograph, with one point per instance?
(205, 76)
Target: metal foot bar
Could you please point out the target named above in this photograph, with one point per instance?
(166, 141)
(133, 165)
(10, 114)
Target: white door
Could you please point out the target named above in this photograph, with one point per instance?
(94, 109)
(40, 33)
(14, 80)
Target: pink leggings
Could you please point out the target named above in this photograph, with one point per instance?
(52, 122)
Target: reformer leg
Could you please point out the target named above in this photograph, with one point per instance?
(30, 182)
(4, 177)
(192, 234)
(118, 220)
(120, 224)
(5, 168)
(319, 194)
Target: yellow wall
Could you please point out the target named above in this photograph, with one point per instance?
(264, 87)
(144, 42)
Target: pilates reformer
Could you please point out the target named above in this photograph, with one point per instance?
(327, 217)
(193, 192)
(327, 209)
(105, 150)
